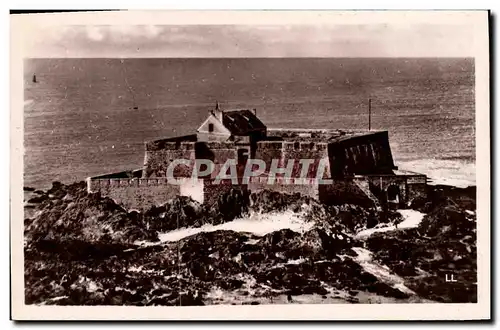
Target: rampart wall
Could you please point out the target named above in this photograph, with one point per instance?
(306, 135)
(157, 160)
(163, 143)
(285, 151)
(218, 153)
(141, 194)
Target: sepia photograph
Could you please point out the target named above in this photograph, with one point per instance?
(243, 163)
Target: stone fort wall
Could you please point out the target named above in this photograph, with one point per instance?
(158, 157)
(141, 194)
(285, 151)
(365, 154)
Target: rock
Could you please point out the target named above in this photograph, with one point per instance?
(228, 206)
(420, 204)
(280, 240)
(182, 211)
(38, 199)
(268, 200)
(88, 218)
(68, 198)
(447, 220)
(445, 241)
(189, 299)
(179, 212)
(230, 284)
(404, 269)
(385, 290)
(57, 190)
(28, 189)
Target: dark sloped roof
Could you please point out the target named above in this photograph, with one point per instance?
(240, 122)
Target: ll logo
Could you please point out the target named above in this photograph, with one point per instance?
(450, 278)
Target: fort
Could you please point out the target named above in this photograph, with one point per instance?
(333, 166)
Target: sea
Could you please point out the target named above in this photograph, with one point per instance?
(85, 117)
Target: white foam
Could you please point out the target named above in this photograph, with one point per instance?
(28, 102)
(296, 261)
(54, 299)
(412, 219)
(447, 172)
(257, 224)
(381, 272)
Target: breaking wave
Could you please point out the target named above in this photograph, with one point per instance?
(412, 219)
(257, 224)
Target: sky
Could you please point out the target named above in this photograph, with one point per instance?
(313, 40)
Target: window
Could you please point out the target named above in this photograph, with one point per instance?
(210, 127)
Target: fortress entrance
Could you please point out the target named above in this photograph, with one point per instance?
(393, 196)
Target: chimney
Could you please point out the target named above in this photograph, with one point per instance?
(217, 112)
(255, 112)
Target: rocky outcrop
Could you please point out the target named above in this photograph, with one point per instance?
(68, 213)
(465, 198)
(272, 201)
(233, 204)
(178, 212)
(187, 271)
(80, 249)
(448, 220)
(444, 243)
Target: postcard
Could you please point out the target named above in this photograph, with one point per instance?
(250, 165)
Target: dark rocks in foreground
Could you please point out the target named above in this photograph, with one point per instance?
(444, 244)
(439, 195)
(80, 251)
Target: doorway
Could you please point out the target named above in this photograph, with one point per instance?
(393, 195)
